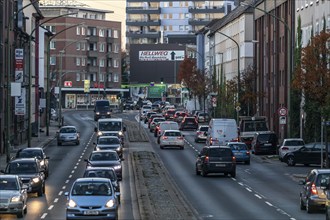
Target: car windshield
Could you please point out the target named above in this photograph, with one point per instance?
(104, 156)
(267, 137)
(238, 147)
(158, 119)
(68, 130)
(91, 188)
(22, 168)
(29, 154)
(172, 134)
(204, 128)
(101, 173)
(219, 152)
(321, 178)
(8, 184)
(110, 126)
(294, 143)
(108, 141)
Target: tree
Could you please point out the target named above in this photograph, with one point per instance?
(186, 72)
(313, 77)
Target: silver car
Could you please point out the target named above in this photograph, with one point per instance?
(92, 198)
(201, 133)
(68, 134)
(109, 143)
(171, 138)
(13, 195)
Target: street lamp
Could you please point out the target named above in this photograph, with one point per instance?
(238, 70)
(48, 74)
(288, 57)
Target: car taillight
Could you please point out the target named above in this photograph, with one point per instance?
(247, 152)
(207, 159)
(180, 138)
(199, 132)
(313, 189)
(233, 158)
(285, 148)
(164, 137)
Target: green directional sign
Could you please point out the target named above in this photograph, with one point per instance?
(156, 91)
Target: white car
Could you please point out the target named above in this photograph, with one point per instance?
(289, 145)
(171, 138)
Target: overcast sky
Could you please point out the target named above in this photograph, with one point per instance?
(119, 8)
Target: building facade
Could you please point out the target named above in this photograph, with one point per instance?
(84, 49)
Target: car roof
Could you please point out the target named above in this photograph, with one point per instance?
(235, 142)
(99, 168)
(320, 171)
(91, 179)
(172, 131)
(8, 176)
(293, 139)
(32, 159)
(217, 146)
(30, 149)
(110, 119)
(108, 137)
(68, 126)
(104, 151)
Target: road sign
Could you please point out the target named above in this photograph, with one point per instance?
(282, 111)
(282, 120)
(67, 83)
(238, 108)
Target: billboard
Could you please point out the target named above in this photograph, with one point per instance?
(161, 55)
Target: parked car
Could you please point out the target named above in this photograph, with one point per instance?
(29, 171)
(264, 143)
(171, 138)
(68, 134)
(202, 117)
(201, 133)
(154, 123)
(106, 158)
(289, 145)
(13, 196)
(241, 151)
(188, 123)
(312, 195)
(304, 155)
(155, 107)
(35, 152)
(216, 159)
(91, 198)
(109, 143)
(105, 172)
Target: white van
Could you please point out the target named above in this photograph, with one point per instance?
(106, 126)
(221, 131)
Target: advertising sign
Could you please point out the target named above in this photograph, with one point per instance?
(86, 85)
(156, 91)
(161, 55)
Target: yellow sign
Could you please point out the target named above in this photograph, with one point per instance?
(86, 85)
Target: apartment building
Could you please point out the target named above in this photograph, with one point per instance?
(154, 21)
(85, 48)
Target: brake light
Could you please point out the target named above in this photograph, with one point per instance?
(233, 158)
(164, 137)
(180, 138)
(247, 152)
(285, 148)
(199, 132)
(207, 159)
(313, 189)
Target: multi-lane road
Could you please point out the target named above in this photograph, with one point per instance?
(265, 189)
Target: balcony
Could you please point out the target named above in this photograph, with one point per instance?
(196, 22)
(93, 38)
(142, 10)
(92, 53)
(206, 10)
(111, 40)
(143, 22)
(92, 69)
(140, 34)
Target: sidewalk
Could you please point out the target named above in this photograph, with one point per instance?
(40, 141)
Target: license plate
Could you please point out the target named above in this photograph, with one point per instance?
(268, 145)
(91, 212)
(172, 143)
(220, 165)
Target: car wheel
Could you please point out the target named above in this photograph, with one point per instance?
(39, 193)
(247, 162)
(196, 171)
(161, 147)
(203, 173)
(233, 174)
(309, 208)
(302, 205)
(290, 161)
(20, 214)
(78, 142)
(181, 148)
(59, 143)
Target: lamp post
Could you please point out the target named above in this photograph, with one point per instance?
(289, 71)
(238, 71)
(48, 73)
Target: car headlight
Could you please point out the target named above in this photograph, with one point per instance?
(15, 199)
(97, 113)
(117, 167)
(120, 133)
(111, 203)
(42, 163)
(118, 149)
(35, 180)
(97, 148)
(99, 133)
(108, 113)
(72, 203)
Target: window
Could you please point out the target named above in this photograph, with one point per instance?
(116, 50)
(181, 27)
(109, 47)
(52, 45)
(78, 46)
(115, 77)
(101, 33)
(102, 47)
(77, 61)
(83, 61)
(109, 33)
(83, 46)
(78, 30)
(83, 31)
(50, 28)
(115, 34)
(52, 60)
(101, 77)
(77, 77)
(92, 77)
(101, 63)
(115, 63)
(109, 77)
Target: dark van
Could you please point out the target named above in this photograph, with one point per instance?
(102, 109)
(264, 143)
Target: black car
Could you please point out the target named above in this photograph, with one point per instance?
(189, 123)
(30, 172)
(304, 155)
(35, 152)
(264, 143)
(216, 159)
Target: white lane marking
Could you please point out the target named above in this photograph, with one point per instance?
(43, 216)
(70, 176)
(72, 171)
(259, 197)
(75, 167)
(77, 164)
(79, 160)
(66, 181)
(60, 193)
(63, 187)
(56, 200)
(240, 183)
(268, 203)
(248, 189)
(51, 207)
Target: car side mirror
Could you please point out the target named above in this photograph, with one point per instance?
(124, 128)
(2, 171)
(66, 193)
